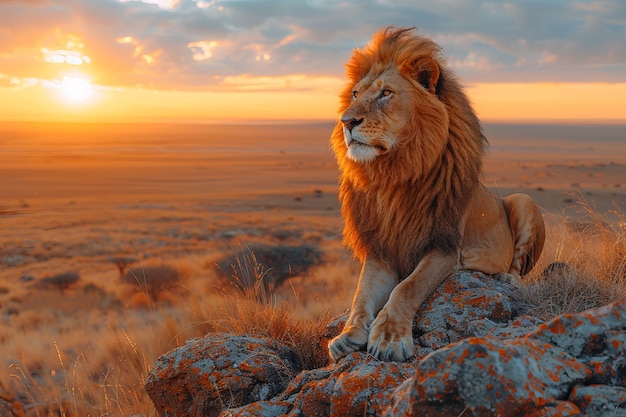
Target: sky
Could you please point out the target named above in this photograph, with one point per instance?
(207, 60)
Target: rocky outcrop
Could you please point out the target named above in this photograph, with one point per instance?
(476, 354)
(220, 371)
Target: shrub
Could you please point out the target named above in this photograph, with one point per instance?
(273, 263)
(122, 262)
(61, 281)
(153, 280)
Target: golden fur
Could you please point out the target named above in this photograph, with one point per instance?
(409, 149)
(438, 158)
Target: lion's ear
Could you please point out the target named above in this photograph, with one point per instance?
(426, 72)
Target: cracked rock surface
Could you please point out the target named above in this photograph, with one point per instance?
(476, 353)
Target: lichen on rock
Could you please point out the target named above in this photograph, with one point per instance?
(476, 354)
(220, 371)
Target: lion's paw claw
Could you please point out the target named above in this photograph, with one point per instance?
(390, 340)
(350, 340)
(393, 350)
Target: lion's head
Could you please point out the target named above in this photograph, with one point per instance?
(396, 108)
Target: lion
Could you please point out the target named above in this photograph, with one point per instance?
(409, 149)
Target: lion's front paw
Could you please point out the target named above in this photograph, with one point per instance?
(390, 340)
(352, 338)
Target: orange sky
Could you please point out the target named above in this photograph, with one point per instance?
(201, 60)
(572, 102)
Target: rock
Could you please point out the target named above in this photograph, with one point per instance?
(261, 408)
(490, 377)
(359, 385)
(517, 328)
(600, 400)
(220, 371)
(556, 409)
(467, 304)
(477, 354)
(586, 332)
(596, 336)
(464, 298)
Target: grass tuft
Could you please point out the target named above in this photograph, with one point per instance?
(588, 266)
(258, 312)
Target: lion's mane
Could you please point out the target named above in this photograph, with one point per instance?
(404, 204)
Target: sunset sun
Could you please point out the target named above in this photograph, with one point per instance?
(76, 89)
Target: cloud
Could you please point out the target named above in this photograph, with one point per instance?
(206, 44)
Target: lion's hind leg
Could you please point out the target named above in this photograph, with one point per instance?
(528, 231)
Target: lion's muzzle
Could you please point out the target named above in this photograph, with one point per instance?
(350, 123)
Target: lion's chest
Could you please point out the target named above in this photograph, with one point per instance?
(390, 225)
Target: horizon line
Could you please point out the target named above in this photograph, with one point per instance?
(290, 121)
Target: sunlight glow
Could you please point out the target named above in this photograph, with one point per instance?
(299, 97)
(62, 56)
(76, 89)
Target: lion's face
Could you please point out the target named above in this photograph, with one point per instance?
(384, 112)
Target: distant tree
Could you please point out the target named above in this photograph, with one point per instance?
(270, 265)
(122, 262)
(61, 281)
(153, 280)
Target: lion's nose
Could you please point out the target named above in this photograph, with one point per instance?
(351, 123)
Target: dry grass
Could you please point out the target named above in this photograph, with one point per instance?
(95, 362)
(278, 322)
(585, 264)
(102, 380)
(259, 312)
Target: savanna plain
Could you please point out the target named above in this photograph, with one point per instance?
(120, 241)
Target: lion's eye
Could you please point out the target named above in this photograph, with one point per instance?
(385, 93)
(354, 94)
